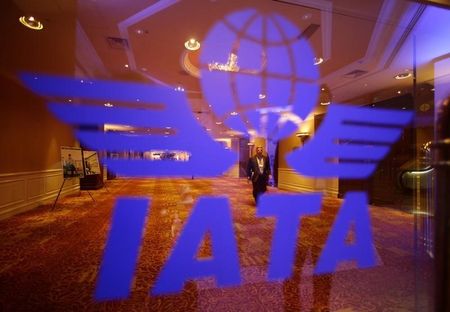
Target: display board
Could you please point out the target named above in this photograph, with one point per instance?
(72, 162)
(91, 163)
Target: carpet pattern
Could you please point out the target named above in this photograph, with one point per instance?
(49, 260)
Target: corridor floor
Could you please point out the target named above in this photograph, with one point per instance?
(49, 260)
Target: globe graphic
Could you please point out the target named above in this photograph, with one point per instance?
(257, 74)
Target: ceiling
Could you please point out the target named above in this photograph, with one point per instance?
(364, 43)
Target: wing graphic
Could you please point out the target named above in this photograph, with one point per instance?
(159, 108)
(350, 142)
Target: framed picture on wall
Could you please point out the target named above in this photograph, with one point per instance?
(91, 163)
(72, 162)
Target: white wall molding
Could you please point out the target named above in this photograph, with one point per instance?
(22, 191)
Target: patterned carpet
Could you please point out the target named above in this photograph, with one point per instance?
(49, 259)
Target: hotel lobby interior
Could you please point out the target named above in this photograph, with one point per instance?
(163, 103)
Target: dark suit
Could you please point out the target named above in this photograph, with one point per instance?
(259, 179)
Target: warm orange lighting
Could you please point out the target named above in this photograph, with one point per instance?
(318, 60)
(192, 44)
(231, 65)
(31, 23)
(403, 75)
(302, 134)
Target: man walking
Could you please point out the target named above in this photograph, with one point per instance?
(258, 171)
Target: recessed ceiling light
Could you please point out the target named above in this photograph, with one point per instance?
(192, 44)
(108, 104)
(318, 60)
(323, 89)
(399, 92)
(261, 96)
(325, 103)
(403, 75)
(306, 16)
(126, 65)
(31, 22)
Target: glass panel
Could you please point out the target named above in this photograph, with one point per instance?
(431, 90)
(173, 99)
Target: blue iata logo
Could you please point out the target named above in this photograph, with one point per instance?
(160, 108)
(255, 86)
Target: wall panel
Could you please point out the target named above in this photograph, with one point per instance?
(23, 191)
